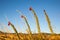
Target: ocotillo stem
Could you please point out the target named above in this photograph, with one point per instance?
(26, 23)
(9, 23)
(37, 22)
(30, 33)
(49, 23)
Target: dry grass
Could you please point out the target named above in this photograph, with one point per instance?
(44, 36)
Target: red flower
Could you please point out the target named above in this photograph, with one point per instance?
(22, 16)
(9, 23)
(30, 8)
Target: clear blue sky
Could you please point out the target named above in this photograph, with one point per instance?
(8, 8)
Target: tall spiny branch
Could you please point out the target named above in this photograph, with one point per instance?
(49, 23)
(36, 18)
(9, 23)
(30, 33)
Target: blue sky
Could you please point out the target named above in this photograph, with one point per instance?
(8, 9)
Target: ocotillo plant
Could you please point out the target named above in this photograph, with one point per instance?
(27, 25)
(49, 23)
(22, 16)
(9, 23)
(36, 18)
(25, 21)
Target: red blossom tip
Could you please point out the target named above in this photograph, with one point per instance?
(9, 23)
(22, 16)
(30, 8)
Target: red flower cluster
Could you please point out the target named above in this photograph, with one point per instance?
(30, 8)
(9, 23)
(22, 16)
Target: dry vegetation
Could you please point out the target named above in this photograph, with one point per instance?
(44, 36)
